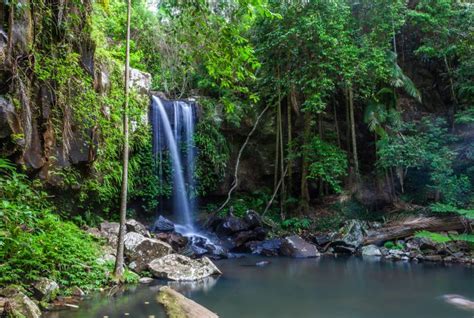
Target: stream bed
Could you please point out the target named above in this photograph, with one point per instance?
(324, 287)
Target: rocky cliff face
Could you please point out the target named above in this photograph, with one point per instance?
(37, 128)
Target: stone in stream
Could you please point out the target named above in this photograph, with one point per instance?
(17, 304)
(371, 250)
(141, 250)
(295, 246)
(459, 301)
(266, 248)
(178, 306)
(182, 268)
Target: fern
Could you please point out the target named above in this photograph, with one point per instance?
(442, 238)
(446, 208)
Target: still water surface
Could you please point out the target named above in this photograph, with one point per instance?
(323, 287)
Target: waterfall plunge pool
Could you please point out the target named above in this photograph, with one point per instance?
(324, 287)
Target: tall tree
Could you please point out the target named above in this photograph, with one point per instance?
(119, 262)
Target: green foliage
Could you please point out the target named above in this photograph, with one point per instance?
(213, 149)
(426, 146)
(446, 208)
(35, 242)
(442, 238)
(327, 162)
(394, 246)
(296, 224)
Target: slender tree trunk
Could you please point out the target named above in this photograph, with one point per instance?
(353, 133)
(119, 261)
(282, 156)
(289, 147)
(336, 126)
(451, 86)
(304, 204)
(277, 147)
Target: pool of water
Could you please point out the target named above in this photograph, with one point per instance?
(324, 287)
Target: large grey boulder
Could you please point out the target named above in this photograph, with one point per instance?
(17, 304)
(182, 268)
(371, 250)
(45, 289)
(141, 81)
(295, 246)
(109, 231)
(178, 306)
(352, 234)
(133, 225)
(141, 250)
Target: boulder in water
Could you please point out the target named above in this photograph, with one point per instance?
(182, 268)
(265, 248)
(295, 246)
(17, 304)
(371, 250)
(178, 306)
(162, 224)
(352, 233)
(141, 250)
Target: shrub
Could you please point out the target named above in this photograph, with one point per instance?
(35, 242)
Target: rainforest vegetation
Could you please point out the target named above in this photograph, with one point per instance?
(347, 109)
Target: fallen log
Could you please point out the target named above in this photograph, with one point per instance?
(409, 226)
(178, 306)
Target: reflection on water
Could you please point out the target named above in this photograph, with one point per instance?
(324, 287)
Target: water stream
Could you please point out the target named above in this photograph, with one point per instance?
(325, 287)
(178, 140)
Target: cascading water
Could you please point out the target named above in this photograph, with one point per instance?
(178, 140)
(173, 130)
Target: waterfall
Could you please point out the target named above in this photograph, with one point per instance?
(177, 138)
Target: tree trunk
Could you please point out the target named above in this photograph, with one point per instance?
(353, 133)
(282, 158)
(119, 261)
(304, 204)
(408, 227)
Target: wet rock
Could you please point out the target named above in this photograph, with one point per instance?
(243, 237)
(231, 225)
(45, 289)
(371, 250)
(265, 248)
(176, 240)
(433, 258)
(178, 306)
(182, 268)
(9, 120)
(252, 219)
(262, 263)
(322, 240)
(145, 280)
(162, 224)
(77, 292)
(459, 301)
(17, 304)
(141, 250)
(353, 233)
(343, 249)
(135, 226)
(295, 246)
